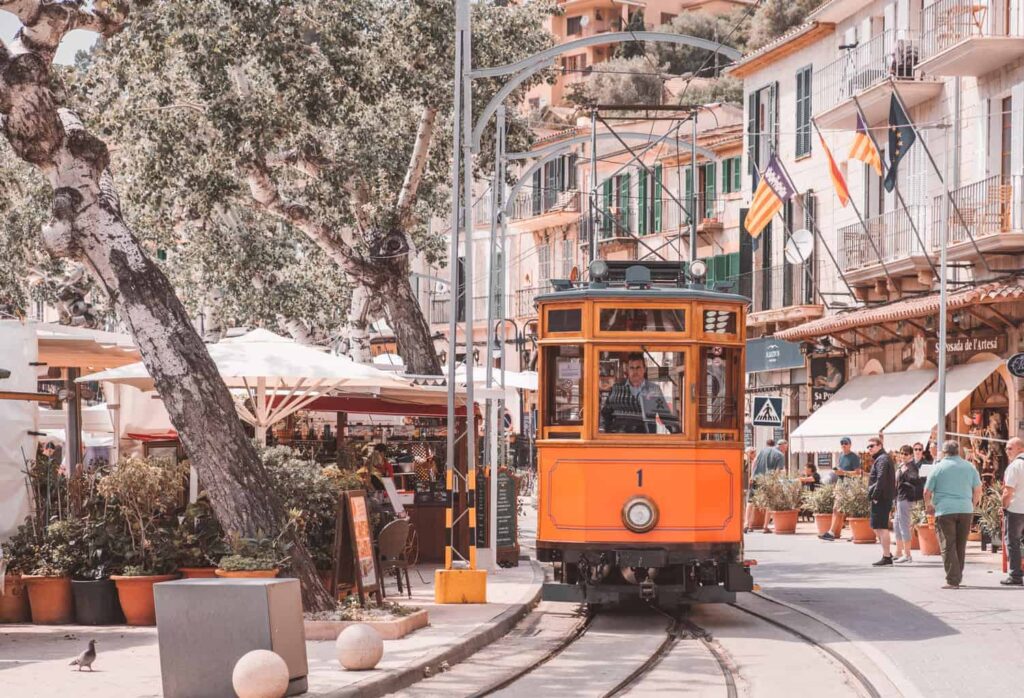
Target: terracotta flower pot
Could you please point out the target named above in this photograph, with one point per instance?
(197, 572)
(50, 600)
(915, 541)
(823, 522)
(860, 529)
(757, 520)
(14, 600)
(136, 596)
(929, 540)
(785, 521)
(241, 574)
(974, 536)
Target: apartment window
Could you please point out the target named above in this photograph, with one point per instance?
(1007, 138)
(569, 164)
(568, 258)
(731, 175)
(543, 263)
(803, 112)
(574, 64)
(534, 103)
(574, 25)
(762, 127)
(667, 18)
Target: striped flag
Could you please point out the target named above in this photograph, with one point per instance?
(774, 189)
(864, 148)
(842, 191)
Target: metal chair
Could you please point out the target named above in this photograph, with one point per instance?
(392, 547)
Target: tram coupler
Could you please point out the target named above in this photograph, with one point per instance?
(647, 591)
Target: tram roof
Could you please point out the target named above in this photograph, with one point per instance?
(653, 292)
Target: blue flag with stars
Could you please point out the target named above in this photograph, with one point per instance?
(901, 137)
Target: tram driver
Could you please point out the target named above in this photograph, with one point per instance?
(636, 405)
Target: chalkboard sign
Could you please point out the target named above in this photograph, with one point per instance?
(507, 511)
(354, 558)
(824, 460)
(482, 495)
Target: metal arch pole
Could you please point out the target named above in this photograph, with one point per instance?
(492, 512)
(693, 189)
(943, 305)
(561, 146)
(592, 246)
(467, 198)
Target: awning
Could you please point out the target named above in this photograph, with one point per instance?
(860, 409)
(918, 420)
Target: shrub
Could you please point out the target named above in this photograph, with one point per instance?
(991, 510)
(759, 495)
(781, 492)
(918, 515)
(820, 500)
(852, 498)
(199, 539)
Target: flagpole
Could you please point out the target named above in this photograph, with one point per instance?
(817, 233)
(942, 180)
(896, 189)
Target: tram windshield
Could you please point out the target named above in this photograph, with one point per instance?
(564, 365)
(640, 391)
(718, 386)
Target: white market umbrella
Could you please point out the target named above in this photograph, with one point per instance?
(272, 376)
(526, 380)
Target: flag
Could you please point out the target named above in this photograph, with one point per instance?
(774, 189)
(901, 138)
(864, 148)
(842, 191)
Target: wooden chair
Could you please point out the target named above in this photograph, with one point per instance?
(391, 551)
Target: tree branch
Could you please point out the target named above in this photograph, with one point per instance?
(417, 165)
(296, 160)
(266, 196)
(45, 22)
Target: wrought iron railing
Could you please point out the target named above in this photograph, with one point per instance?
(891, 233)
(524, 299)
(992, 205)
(948, 22)
(536, 202)
(893, 53)
(777, 287)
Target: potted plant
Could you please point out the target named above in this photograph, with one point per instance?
(49, 579)
(852, 500)
(925, 527)
(104, 543)
(252, 557)
(820, 502)
(19, 552)
(759, 498)
(199, 541)
(990, 511)
(783, 500)
(143, 492)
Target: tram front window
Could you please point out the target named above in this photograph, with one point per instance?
(640, 391)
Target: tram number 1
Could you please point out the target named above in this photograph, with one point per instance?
(640, 477)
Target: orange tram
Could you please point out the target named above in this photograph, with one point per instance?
(640, 447)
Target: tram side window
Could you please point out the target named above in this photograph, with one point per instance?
(643, 320)
(640, 391)
(718, 385)
(564, 366)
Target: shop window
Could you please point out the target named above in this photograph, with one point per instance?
(720, 322)
(570, 320)
(717, 387)
(640, 391)
(642, 320)
(564, 367)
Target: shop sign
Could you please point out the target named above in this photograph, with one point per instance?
(1015, 364)
(770, 354)
(968, 346)
(827, 374)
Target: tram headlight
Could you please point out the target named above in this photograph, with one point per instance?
(698, 269)
(598, 270)
(639, 514)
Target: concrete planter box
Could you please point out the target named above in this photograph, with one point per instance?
(388, 629)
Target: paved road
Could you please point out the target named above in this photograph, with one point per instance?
(967, 642)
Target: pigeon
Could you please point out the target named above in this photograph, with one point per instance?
(85, 658)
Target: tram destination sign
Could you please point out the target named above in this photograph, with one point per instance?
(1015, 364)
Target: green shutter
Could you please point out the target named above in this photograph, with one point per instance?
(689, 196)
(736, 173)
(709, 190)
(657, 198)
(606, 223)
(641, 188)
(733, 265)
(726, 174)
(624, 204)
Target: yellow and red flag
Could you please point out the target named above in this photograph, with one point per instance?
(774, 189)
(842, 191)
(864, 149)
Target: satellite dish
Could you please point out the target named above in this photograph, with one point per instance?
(799, 247)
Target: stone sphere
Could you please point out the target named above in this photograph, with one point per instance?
(359, 647)
(260, 674)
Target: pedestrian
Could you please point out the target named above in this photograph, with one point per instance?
(881, 492)
(952, 491)
(1013, 509)
(769, 459)
(811, 480)
(908, 491)
(848, 467)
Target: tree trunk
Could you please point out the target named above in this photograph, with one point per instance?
(415, 344)
(87, 226)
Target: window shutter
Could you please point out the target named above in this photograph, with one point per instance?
(736, 174)
(606, 223)
(641, 187)
(657, 198)
(537, 188)
(726, 175)
(709, 190)
(752, 137)
(689, 196)
(624, 203)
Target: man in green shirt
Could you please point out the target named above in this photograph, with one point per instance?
(951, 493)
(848, 467)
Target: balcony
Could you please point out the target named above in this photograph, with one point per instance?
(893, 235)
(992, 210)
(440, 309)
(543, 208)
(524, 300)
(969, 38)
(865, 72)
(781, 296)
(482, 211)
